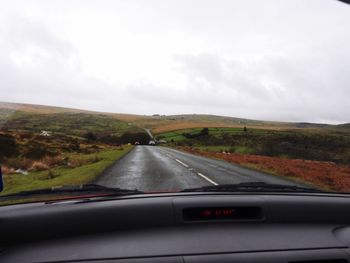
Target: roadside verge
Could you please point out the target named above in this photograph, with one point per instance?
(85, 169)
(324, 175)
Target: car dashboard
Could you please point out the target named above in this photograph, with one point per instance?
(180, 227)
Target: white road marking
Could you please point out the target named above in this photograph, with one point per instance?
(206, 178)
(200, 174)
(181, 163)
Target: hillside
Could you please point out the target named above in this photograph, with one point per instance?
(68, 123)
(25, 113)
(55, 146)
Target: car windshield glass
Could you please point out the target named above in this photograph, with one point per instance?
(115, 98)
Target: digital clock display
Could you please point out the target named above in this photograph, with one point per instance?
(222, 213)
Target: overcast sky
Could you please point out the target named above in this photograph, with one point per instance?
(272, 60)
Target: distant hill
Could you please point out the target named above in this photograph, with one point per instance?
(345, 125)
(157, 123)
(40, 109)
(38, 118)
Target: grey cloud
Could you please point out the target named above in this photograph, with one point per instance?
(232, 76)
(287, 88)
(282, 88)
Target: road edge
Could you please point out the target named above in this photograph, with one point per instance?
(111, 165)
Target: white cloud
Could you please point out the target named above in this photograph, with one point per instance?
(278, 60)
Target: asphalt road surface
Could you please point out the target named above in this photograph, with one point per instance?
(154, 168)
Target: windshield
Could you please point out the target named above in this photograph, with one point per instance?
(164, 96)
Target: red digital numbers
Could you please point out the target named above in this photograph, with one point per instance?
(228, 212)
(218, 212)
(206, 213)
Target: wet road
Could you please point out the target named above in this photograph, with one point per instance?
(154, 168)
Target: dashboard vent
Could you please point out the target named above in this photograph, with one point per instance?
(322, 261)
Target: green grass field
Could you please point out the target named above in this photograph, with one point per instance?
(177, 136)
(64, 175)
(311, 144)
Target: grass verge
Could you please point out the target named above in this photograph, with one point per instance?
(323, 175)
(65, 175)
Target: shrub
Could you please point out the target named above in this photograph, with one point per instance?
(204, 131)
(52, 160)
(74, 146)
(52, 174)
(39, 166)
(8, 146)
(7, 170)
(90, 136)
(16, 163)
(79, 162)
(35, 150)
(75, 163)
(141, 137)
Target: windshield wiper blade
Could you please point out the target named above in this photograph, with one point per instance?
(73, 189)
(252, 187)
